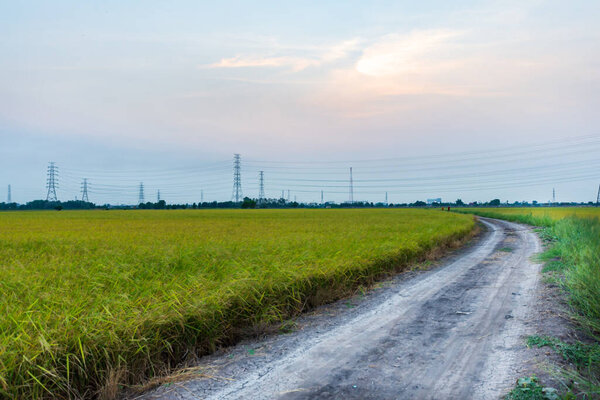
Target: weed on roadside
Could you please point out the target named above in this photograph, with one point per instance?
(586, 357)
(529, 389)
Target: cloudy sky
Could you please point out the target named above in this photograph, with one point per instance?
(469, 99)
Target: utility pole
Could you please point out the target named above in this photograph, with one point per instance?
(158, 195)
(237, 179)
(84, 190)
(52, 182)
(141, 196)
(261, 191)
(9, 197)
(351, 188)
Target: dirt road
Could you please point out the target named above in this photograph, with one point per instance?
(453, 332)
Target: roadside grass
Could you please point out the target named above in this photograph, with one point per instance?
(97, 301)
(572, 261)
(529, 389)
(586, 359)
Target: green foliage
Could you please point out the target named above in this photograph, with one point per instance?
(248, 203)
(529, 389)
(94, 297)
(583, 356)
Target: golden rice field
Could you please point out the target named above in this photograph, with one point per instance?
(95, 299)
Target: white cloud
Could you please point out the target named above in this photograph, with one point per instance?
(409, 53)
(317, 56)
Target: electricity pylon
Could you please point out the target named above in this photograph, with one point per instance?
(351, 188)
(141, 195)
(237, 179)
(84, 190)
(52, 182)
(261, 190)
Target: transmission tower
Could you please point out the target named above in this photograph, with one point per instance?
(52, 182)
(9, 197)
(386, 200)
(321, 197)
(282, 196)
(351, 188)
(598, 197)
(141, 196)
(237, 179)
(288, 199)
(201, 196)
(158, 195)
(261, 191)
(84, 190)
(553, 196)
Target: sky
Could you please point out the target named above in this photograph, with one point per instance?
(453, 99)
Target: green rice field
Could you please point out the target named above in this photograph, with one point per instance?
(94, 301)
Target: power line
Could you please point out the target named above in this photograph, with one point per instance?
(52, 182)
(558, 144)
(237, 179)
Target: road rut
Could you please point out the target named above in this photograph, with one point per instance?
(452, 332)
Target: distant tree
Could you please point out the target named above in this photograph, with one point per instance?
(419, 203)
(248, 203)
(58, 207)
(459, 202)
(495, 202)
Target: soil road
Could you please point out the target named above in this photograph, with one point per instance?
(454, 332)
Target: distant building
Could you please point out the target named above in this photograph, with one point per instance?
(431, 201)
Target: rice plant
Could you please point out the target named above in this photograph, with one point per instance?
(93, 301)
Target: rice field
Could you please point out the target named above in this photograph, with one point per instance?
(546, 214)
(94, 301)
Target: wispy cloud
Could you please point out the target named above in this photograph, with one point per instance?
(401, 53)
(317, 56)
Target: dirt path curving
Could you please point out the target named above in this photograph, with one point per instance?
(452, 332)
